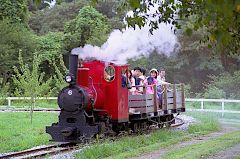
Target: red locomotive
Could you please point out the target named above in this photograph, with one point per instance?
(97, 102)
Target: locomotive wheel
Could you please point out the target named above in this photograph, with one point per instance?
(171, 118)
(135, 127)
(168, 119)
(160, 125)
(167, 124)
(144, 126)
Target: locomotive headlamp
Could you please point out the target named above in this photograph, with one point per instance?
(68, 79)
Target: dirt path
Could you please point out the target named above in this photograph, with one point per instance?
(228, 153)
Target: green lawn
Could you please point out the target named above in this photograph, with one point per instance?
(17, 132)
(133, 146)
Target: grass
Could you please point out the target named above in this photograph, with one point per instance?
(208, 123)
(17, 132)
(204, 149)
(237, 157)
(133, 146)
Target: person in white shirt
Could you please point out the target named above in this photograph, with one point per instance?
(161, 77)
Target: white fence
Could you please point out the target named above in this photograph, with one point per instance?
(10, 99)
(221, 101)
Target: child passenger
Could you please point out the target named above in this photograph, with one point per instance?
(131, 80)
(149, 82)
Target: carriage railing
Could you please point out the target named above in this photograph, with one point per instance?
(172, 99)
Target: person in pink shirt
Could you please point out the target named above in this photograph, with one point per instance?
(150, 81)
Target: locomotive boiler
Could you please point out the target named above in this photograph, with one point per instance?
(97, 102)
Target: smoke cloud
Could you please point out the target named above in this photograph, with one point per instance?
(130, 43)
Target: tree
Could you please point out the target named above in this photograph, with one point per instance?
(49, 20)
(14, 10)
(89, 27)
(225, 85)
(14, 38)
(50, 46)
(29, 82)
(220, 18)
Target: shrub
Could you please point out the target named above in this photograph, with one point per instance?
(29, 82)
(225, 85)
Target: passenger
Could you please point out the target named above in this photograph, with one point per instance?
(161, 77)
(137, 73)
(161, 80)
(154, 73)
(124, 80)
(131, 80)
(106, 76)
(143, 72)
(149, 82)
(140, 89)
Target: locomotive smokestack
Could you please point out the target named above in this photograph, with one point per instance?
(73, 65)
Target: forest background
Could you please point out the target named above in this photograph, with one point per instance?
(35, 37)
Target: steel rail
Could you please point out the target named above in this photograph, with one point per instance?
(41, 151)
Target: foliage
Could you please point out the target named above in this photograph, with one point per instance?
(89, 27)
(4, 91)
(14, 10)
(221, 18)
(29, 82)
(225, 85)
(214, 93)
(58, 77)
(53, 20)
(51, 46)
(14, 38)
(187, 91)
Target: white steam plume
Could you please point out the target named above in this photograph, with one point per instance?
(130, 43)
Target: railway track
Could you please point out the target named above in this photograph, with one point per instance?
(59, 148)
(41, 151)
(178, 122)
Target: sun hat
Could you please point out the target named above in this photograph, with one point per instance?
(154, 69)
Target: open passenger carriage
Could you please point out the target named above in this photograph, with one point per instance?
(149, 106)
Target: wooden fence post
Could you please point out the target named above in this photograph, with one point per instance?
(183, 96)
(155, 98)
(174, 98)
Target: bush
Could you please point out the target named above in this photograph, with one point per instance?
(225, 85)
(214, 92)
(29, 82)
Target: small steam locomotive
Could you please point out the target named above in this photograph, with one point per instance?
(97, 102)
